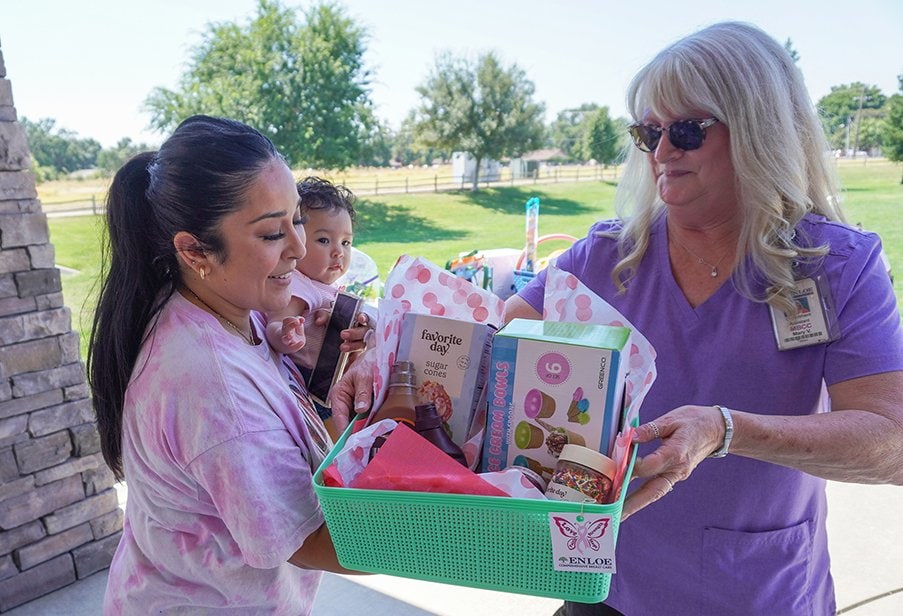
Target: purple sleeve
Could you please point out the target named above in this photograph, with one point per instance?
(871, 340)
(535, 290)
(572, 260)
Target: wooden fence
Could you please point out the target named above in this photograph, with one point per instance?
(386, 183)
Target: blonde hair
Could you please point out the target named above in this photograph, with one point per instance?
(742, 76)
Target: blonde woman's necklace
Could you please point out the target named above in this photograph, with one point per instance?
(246, 337)
(714, 268)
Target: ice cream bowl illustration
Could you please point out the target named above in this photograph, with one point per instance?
(528, 436)
(559, 437)
(538, 403)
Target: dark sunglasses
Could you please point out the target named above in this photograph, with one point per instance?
(684, 134)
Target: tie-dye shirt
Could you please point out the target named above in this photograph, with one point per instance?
(220, 488)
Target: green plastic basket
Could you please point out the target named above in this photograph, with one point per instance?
(488, 542)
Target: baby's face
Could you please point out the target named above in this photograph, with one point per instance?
(329, 238)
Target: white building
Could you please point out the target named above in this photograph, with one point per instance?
(463, 166)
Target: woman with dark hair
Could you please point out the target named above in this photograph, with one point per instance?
(194, 408)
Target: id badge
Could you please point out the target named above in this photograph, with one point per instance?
(815, 321)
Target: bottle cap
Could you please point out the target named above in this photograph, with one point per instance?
(402, 373)
(589, 458)
(427, 416)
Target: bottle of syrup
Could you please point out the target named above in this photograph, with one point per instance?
(429, 425)
(401, 397)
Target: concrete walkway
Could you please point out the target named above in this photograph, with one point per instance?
(865, 533)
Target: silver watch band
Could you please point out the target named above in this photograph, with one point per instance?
(728, 432)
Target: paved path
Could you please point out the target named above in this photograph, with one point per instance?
(865, 530)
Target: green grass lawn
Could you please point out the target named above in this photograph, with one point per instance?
(438, 226)
(873, 196)
(76, 241)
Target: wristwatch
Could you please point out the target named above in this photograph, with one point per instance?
(728, 432)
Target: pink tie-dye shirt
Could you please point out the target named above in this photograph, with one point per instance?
(216, 461)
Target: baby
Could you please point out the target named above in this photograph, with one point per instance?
(329, 212)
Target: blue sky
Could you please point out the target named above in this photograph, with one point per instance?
(90, 64)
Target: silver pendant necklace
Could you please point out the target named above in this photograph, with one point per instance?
(702, 261)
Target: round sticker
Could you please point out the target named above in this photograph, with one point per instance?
(553, 368)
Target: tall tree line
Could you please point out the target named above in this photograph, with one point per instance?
(301, 78)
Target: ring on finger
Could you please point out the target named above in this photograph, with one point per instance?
(670, 483)
(656, 434)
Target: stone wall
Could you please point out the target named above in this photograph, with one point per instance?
(59, 513)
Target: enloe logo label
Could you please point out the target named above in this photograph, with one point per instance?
(582, 542)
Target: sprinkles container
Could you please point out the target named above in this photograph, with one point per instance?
(581, 475)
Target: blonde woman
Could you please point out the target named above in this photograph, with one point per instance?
(780, 350)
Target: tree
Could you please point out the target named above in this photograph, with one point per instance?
(403, 142)
(376, 145)
(788, 45)
(408, 149)
(844, 100)
(479, 107)
(868, 132)
(893, 138)
(844, 107)
(110, 160)
(58, 151)
(600, 138)
(303, 85)
(565, 133)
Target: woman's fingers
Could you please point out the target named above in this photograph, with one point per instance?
(353, 393)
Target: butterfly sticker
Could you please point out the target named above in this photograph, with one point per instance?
(582, 534)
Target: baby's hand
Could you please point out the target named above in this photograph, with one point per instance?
(357, 337)
(293, 333)
(321, 317)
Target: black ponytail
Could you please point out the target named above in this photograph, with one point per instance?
(201, 174)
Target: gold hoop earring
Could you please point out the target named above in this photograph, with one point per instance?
(202, 272)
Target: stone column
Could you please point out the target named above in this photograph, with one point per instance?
(59, 514)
